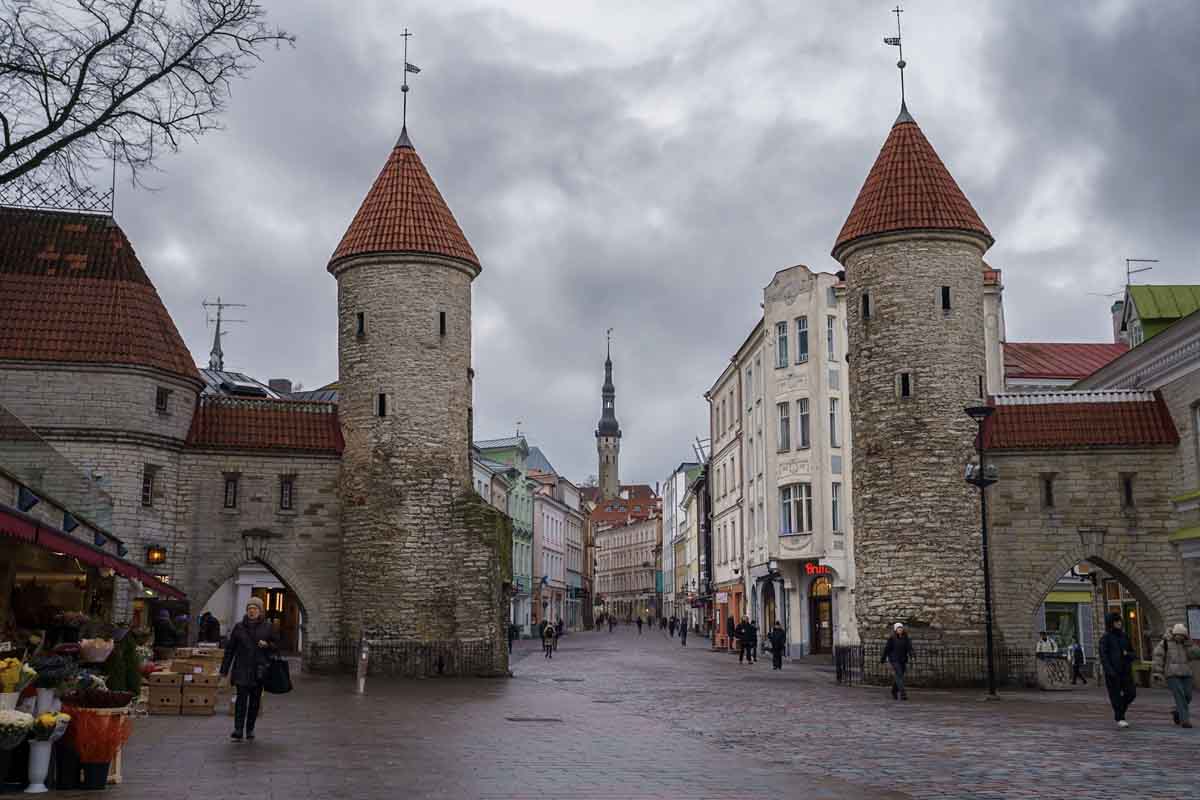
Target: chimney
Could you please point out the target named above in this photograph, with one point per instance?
(1118, 313)
(280, 386)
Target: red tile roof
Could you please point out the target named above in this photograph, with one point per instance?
(243, 424)
(1058, 360)
(640, 495)
(72, 289)
(1063, 420)
(404, 213)
(909, 188)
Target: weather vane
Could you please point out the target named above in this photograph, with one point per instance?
(414, 69)
(895, 42)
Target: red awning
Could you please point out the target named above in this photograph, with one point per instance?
(28, 529)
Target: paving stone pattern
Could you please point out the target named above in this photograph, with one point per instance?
(710, 729)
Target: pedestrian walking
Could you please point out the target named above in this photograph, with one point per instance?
(1045, 646)
(897, 652)
(558, 632)
(671, 625)
(1117, 657)
(247, 655)
(513, 632)
(1172, 659)
(639, 624)
(612, 623)
(1075, 654)
(745, 646)
(683, 632)
(754, 641)
(548, 639)
(778, 640)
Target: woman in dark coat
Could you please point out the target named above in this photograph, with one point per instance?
(247, 654)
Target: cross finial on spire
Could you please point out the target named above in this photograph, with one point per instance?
(414, 69)
(896, 41)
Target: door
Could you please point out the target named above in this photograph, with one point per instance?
(820, 615)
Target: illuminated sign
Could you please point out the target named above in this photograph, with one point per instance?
(816, 569)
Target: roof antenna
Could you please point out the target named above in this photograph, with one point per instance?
(216, 358)
(414, 69)
(896, 41)
(1130, 272)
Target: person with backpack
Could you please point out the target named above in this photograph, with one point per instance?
(1172, 660)
(897, 652)
(1117, 657)
(247, 657)
(1075, 655)
(778, 640)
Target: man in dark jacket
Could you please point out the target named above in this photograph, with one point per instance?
(683, 628)
(247, 655)
(1116, 658)
(746, 636)
(671, 625)
(897, 652)
(778, 640)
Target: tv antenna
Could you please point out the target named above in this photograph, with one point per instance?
(1130, 271)
(216, 357)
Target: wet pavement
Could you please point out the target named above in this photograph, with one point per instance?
(622, 716)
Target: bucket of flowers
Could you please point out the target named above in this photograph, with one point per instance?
(15, 675)
(14, 729)
(47, 729)
(100, 726)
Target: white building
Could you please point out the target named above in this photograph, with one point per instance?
(625, 567)
(674, 522)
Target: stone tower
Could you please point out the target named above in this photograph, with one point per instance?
(912, 248)
(608, 434)
(422, 559)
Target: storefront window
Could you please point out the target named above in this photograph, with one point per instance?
(1062, 623)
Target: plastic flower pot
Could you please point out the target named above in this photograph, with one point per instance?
(66, 767)
(39, 765)
(45, 700)
(95, 776)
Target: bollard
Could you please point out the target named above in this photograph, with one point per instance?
(364, 656)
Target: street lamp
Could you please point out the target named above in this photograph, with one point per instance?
(979, 477)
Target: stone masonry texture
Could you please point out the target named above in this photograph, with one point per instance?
(423, 558)
(916, 522)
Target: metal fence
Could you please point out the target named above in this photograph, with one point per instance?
(935, 665)
(406, 658)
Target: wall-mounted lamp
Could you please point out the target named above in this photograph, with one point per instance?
(156, 554)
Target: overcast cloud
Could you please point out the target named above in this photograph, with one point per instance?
(649, 166)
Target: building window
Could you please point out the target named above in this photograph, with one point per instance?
(834, 437)
(381, 405)
(802, 423)
(801, 340)
(162, 400)
(835, 506)
(749, 386)
(904, 385)
(781, 345)
(831, 296)
(1048, 490)
(830, 327)
(866, 305)
(231, 491)
(361, 329)
(287, 487)
(785, 426)
(149, 473)
(442, 323)
(1127, 490)
(795, 508)
(945, 298)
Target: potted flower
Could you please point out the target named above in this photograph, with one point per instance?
(14, 729)
(52, 673)
(100, 726)
(95, 651)
(15, 675)
(47, 728)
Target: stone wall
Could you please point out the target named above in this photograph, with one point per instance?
(1032, 545)
(302, 546)
(916, 522)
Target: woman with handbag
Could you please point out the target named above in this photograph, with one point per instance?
(247, 656)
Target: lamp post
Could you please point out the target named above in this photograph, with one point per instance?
(980, 479)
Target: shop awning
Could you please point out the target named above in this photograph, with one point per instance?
(25, 528)
(1069, 597)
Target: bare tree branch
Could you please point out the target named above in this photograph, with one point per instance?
(82, 80)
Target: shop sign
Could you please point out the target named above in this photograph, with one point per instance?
(816, 569)
(722, 597)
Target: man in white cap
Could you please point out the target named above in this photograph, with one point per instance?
(1172, 660)
(897, 652)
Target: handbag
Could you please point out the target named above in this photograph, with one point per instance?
(278, 678)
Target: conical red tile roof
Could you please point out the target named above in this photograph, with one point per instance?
(73, 290)
(404, 213)
(909, 188)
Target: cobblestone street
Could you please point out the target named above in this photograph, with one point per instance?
(600, 720)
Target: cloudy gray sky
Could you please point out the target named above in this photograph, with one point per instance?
(649, 166)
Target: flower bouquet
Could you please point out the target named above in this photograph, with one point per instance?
(14, 728)
(141, 635)
(53, 671)
(73, 619)
(15, 675)
(95, 651)
(67, 649)
(96, 698)
(97, 735)
(47, 728)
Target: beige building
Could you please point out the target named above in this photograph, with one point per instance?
(626, 562)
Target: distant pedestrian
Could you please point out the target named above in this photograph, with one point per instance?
(612, 623)
(754, 641)
(513, 632)
(778, 640)
(683, 633)
(671, 625)
(1117, 657)
(247, 656)
(1172, 659)
(1077, 659)
(548, 640)
(639, 624)
(897, 652)
(1045, 646)
(745, 644)
(558, 631)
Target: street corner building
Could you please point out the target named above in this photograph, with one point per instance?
(354, 501)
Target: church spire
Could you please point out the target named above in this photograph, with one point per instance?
(608, 395)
